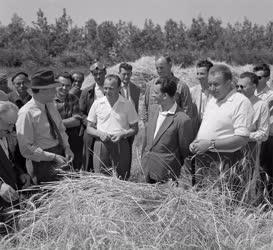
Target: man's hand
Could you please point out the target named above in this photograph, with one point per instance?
(8, 193)
(69, 156)
(25, 179)
(60, 159)
(104, 136)
(199, 146)
(117, 137)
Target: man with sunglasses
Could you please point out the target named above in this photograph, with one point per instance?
(12, 174)
(266, 94)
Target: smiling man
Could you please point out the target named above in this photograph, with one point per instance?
(225, 127)
(112, 119)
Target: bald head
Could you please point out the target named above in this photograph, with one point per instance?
(163, 66)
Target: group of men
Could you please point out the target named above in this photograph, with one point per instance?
(90, 124)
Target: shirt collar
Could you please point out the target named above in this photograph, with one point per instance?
(229, 97)
(171, 111)
(264, 90)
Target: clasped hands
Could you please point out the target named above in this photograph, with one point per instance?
(199, 146)
(111, 137)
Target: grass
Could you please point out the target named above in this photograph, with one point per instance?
(89, 211)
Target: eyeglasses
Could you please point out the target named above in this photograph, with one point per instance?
(238, 86)
(260, 77)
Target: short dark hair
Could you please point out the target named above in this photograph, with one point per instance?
(17, 74)
(125, 66)
(115, 77)
(264, 67)
(66, 75)
(168, 86)
(253, 78)
(223, 69)
(204, 64)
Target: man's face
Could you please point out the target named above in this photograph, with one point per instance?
(111, 89)
(66, 85)
(7, 123)
(262, 78)
(157, 95)
(125, 75)
(202, 74)
(218, 86)
(246, 87)
(77, 80)
(163, 67)
(99, 76)
(46, 95)
(19, 84)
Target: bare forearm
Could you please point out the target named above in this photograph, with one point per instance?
(71, 122)
(231, 143)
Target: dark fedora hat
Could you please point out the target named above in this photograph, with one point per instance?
(43, 79)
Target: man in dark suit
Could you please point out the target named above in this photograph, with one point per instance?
(168, 136)
(88, 96)
(129, 91)
(12, 174)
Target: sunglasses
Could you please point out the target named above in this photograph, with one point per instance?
(238, 86)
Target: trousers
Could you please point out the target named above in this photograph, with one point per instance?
(109, 157)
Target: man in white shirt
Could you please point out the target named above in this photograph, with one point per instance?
(225, 127)
(111, 120)
(169, 133)
(266, 94)
(259, 129)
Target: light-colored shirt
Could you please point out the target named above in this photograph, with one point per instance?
(200, 99)
(88, 81)
(260, 124)
(33, 130)
(162, 116)
(227, 118)
(267, 95)
(114, 119)
(4, 145)
(98, 91)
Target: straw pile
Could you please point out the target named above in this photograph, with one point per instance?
(101, 212)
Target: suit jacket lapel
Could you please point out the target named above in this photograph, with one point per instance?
(151, 128)
(166, 123)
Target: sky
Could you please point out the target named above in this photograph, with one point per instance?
(138, 10)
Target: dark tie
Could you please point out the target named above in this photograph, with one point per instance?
(54, 131)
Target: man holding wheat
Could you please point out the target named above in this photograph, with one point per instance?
(224, 130)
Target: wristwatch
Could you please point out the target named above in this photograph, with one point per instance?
(212, 144)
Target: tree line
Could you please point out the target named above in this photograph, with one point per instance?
(64, 44)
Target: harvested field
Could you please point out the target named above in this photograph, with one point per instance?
(96, 212)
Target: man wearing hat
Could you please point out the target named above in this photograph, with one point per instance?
(4, 82)
(40, 130)
(88, 95)
(19, 95)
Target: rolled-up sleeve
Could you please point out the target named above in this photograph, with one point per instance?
(262, 131)
(242, 118)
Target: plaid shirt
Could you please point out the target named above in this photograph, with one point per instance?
(68, 107)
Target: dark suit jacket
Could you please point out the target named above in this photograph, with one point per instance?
(9, 172)
(16, 99)
(86, 99)
(164, 156)
(135, 93)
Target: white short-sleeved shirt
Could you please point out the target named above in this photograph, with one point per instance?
(112, 119)
(229, 117)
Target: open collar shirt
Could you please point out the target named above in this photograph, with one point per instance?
(162, 116)
(112, 119)
(229, 117)
(33, 130)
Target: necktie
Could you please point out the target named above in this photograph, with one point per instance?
(54, 131)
